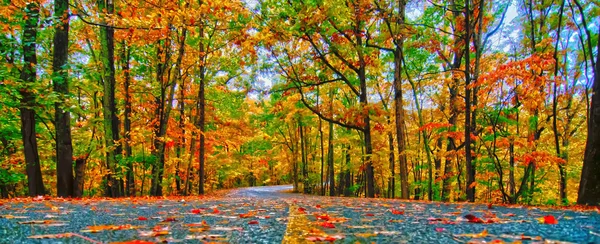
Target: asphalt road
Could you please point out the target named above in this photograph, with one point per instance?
(267, 215)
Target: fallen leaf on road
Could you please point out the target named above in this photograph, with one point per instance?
(253, 222)
(206, 237)
(323, 217)
(365, 235)
(324, 238)
(548, 219)
(47, 222)
(247, 215)
(13, 217)
(473, 219)
(397, 212)
(64, 235)
(483, 234)
(154, 233)
(100, 228)
(327, 225)
(133, 242)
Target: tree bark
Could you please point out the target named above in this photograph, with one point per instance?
(589, 185)
(130, 178)
(470, 187)
(62, 118)
(111, 121)
(330, 154)
(28, 76)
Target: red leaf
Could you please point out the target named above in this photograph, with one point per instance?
(489, 206)
(302, 210)
(324, 217)
(253, 222)
(327, 225)
(142, 218)
(169, 219)
(216, 211)
(369, 214)
(474, 219)
(318, 206)
(133, 242)
(550, 220)
(196, 211)
(395, 211)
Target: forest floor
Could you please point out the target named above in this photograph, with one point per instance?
(268, 215)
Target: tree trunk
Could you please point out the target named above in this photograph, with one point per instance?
(28, 76)
(399, 107)
(562, 173)
(201, 117)
(79, 177)
(304, 161)
(330, 160)
(62, 118)
(470, 186)
(589, 185)
(111, 121)
(130, 179)
(322, 185)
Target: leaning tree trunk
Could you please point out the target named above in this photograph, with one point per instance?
(28, 76)
(589, 186)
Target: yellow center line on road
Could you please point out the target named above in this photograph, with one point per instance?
(297, 226)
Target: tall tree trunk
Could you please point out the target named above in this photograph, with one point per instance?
(330, 159)
(28, 76)
(201, 106)
(589, 185)
(303, 154)
(322, 185)
(165, 105)
(181, 143)
(111, 121)
(454, 110)
(562, 173)
(130, 179)
(62, 118)
(392, 160)
(399, 107)
(470, 187)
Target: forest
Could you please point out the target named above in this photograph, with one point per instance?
(459, 100)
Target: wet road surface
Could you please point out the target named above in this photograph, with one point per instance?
(269, 215)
